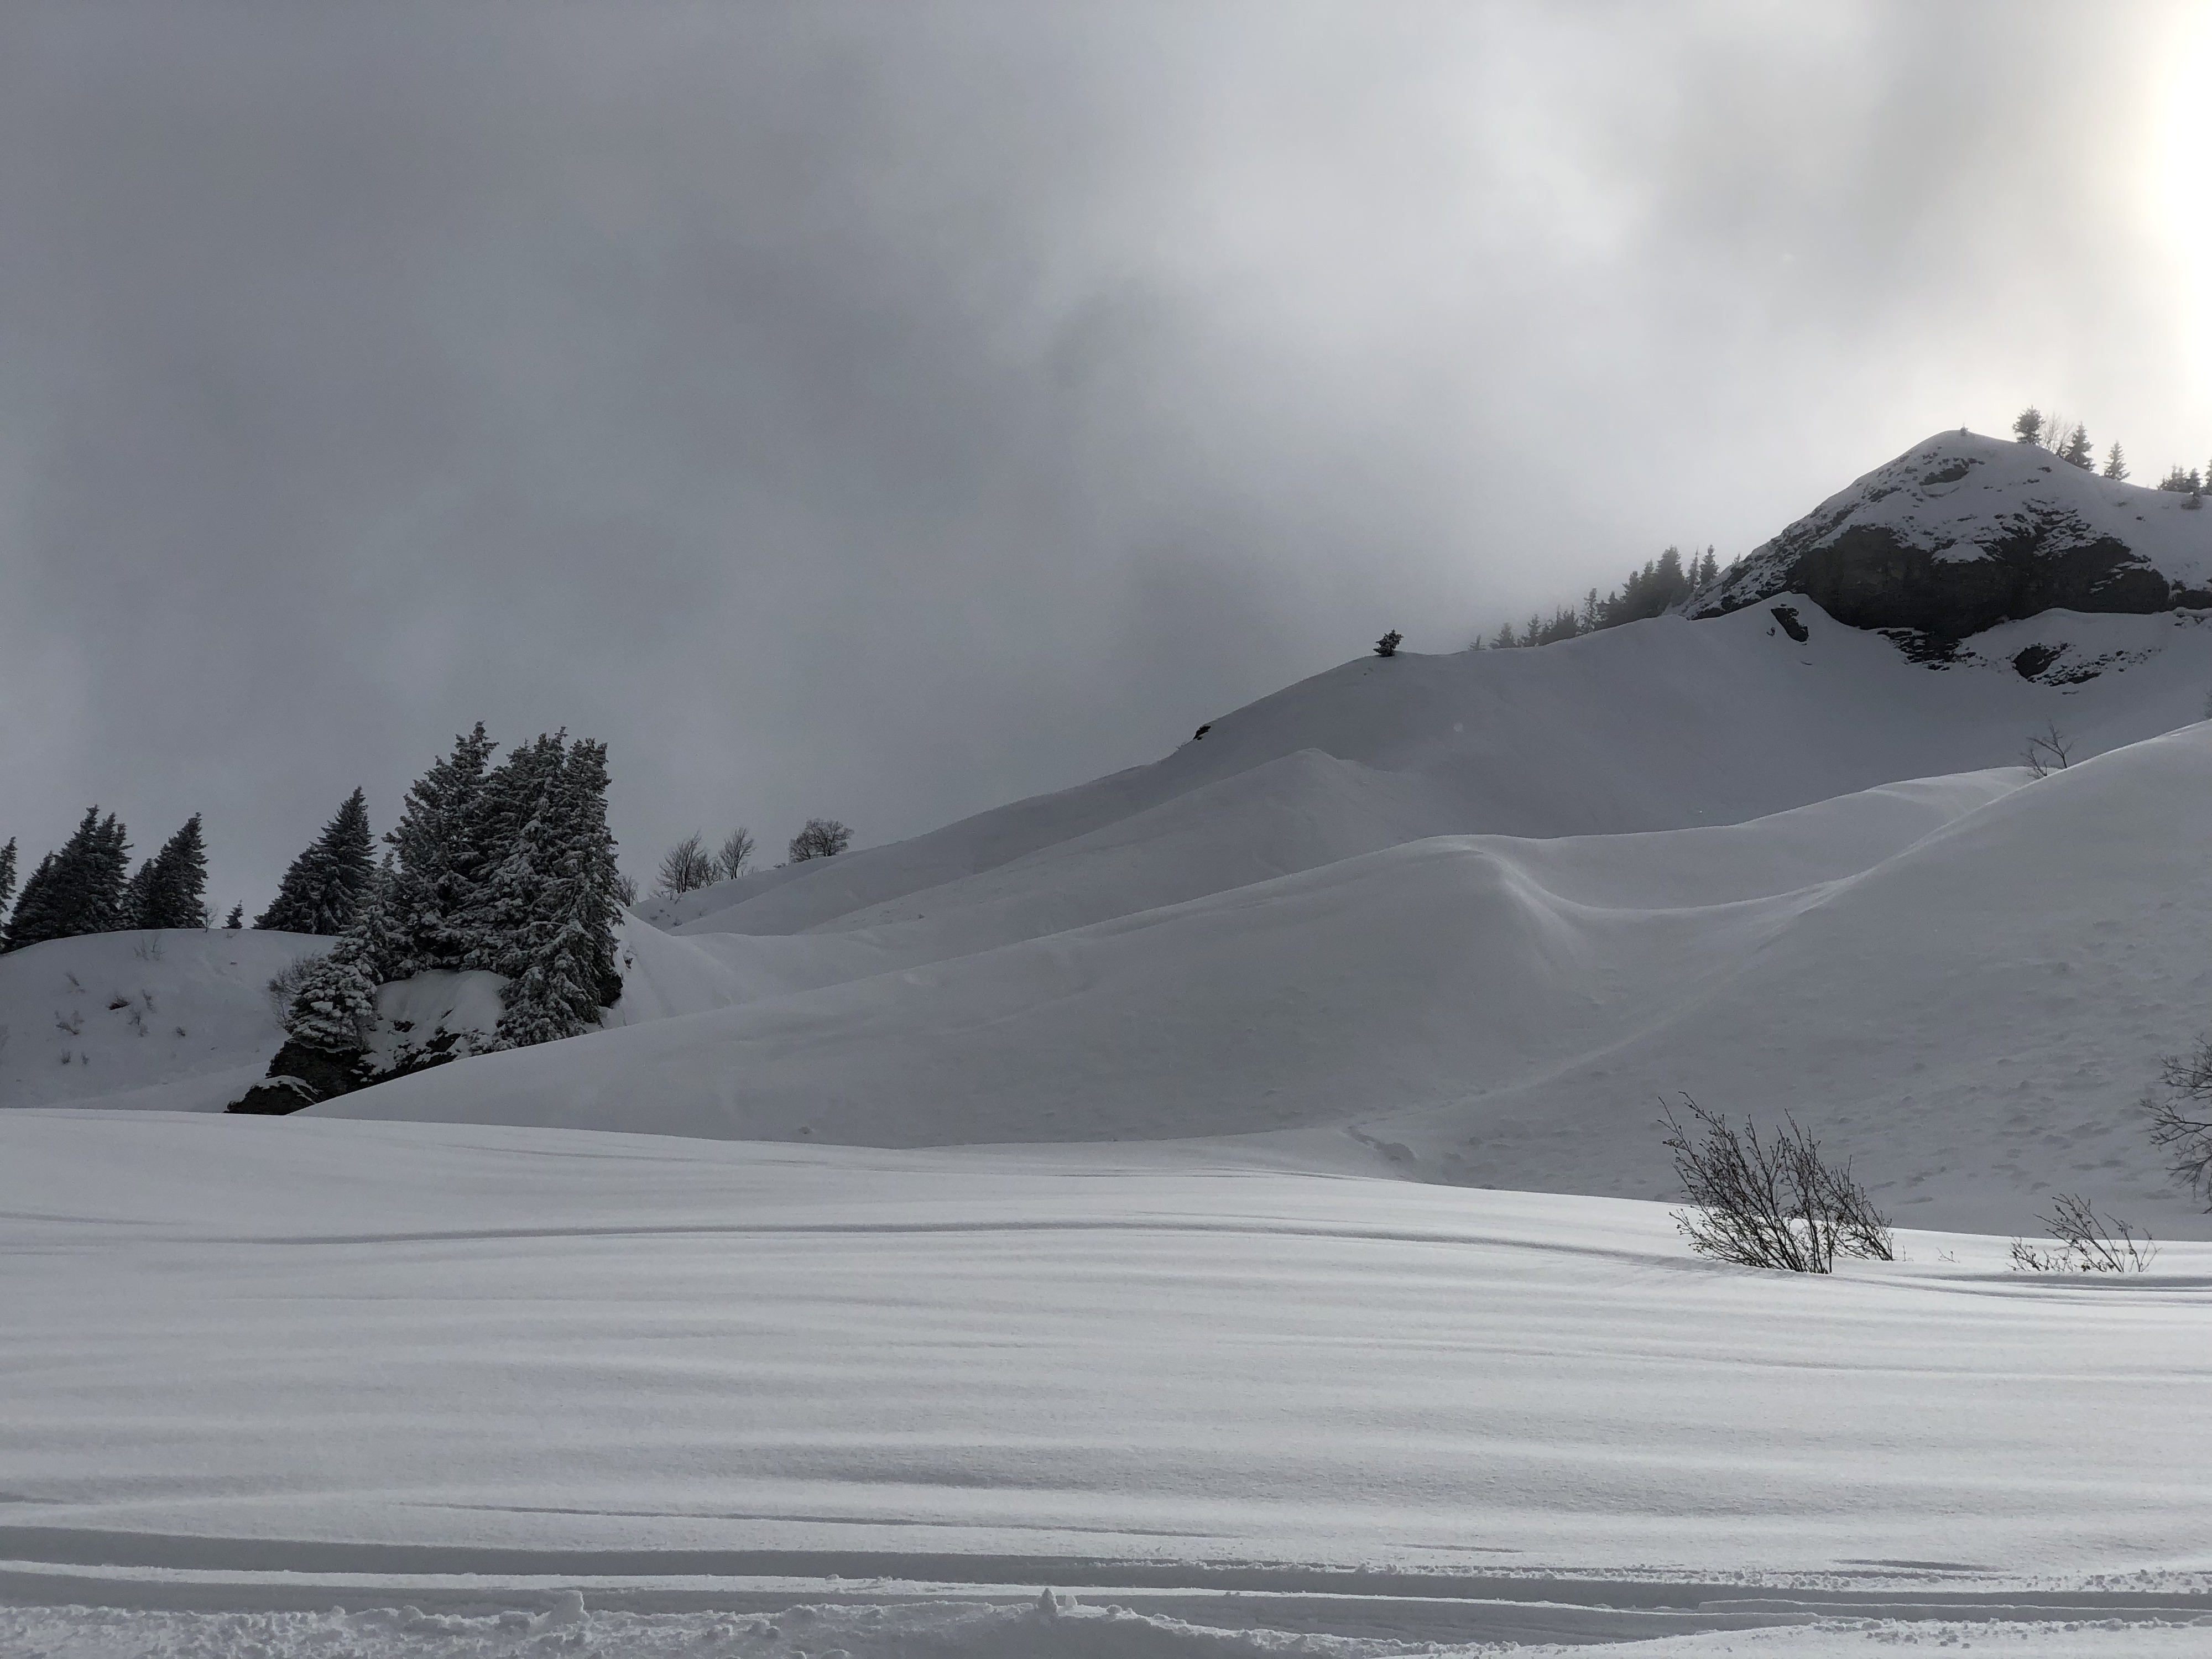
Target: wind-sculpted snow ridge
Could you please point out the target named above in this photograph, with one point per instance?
(300, 1364)
(1961, 532)
(1968, 981)
(1660, 725)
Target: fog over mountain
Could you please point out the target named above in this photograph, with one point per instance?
(889, 412)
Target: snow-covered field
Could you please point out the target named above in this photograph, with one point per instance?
(249, 1359)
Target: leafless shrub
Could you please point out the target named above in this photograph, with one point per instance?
(685, 867)
(1769, 1201)
(2084, 1242)
(822, 838)
(2052, 752)
(2180, 1110)
(148, 947)
(737, 855)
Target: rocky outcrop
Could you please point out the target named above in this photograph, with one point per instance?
(1962, 532)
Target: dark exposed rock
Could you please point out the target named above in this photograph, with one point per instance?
(1787, 615)
(2035, 658)
(1963, 532)
(299, 1077)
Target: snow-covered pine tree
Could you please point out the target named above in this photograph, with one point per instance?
(584, 786)
(235, 920)
(376, 923)
(323, 884)
(439, 858)
(78, 890)
(7, 873)
(32, 919)
(335, 1007)
(551, 923)
(2116, 463)
(513, 828)
(137, 898)
(104, 875)
(176, 895)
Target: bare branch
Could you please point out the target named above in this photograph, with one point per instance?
(1769, 1202)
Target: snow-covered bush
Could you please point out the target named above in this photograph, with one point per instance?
(1769, 1202)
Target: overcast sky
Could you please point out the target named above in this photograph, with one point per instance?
(887, 411)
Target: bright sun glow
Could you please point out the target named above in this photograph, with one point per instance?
(2184, 156)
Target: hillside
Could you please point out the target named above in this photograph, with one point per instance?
(1472, 916)
(1962, 532)
(169, 1018)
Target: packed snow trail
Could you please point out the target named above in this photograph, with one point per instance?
(560, 1623)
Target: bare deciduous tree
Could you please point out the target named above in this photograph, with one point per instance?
(2053, 752)
(2180, 1110)
(736, 856)
(1771, 1202)
(822, 838)
(2086, 1242)
(685, 867)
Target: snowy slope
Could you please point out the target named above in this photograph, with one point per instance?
(1656, 725)
(1976, 1008)
(171, 1018)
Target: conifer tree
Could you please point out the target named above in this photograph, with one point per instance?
(176, 892)
(440, 859)
(2077, 448)
(137, 898)
(235, 920)
(323, 886)
(335, 1007)
(2027, 426)
(7, 873)
(2116, 463)
(79, 889)
(103, 878)
(553, 904)
(32, 919)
